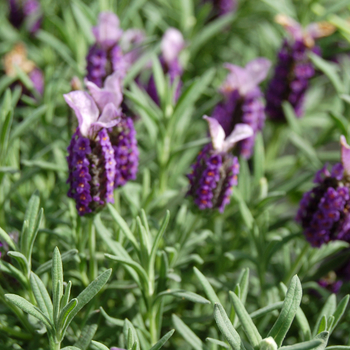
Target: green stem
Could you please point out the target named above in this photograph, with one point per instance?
(53, 344)
(153, 325)
(297, 264)
(92, 251)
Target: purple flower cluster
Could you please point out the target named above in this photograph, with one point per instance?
(107, 56)
(294, 68)
(324, 211)
(171, 46)
(215, 171)
(243, 101)
(291, 79)
(223, 7)
(28, 11)
(91, 166)
(126, 153)
(212, 178)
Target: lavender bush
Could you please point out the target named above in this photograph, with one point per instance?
(158, 186)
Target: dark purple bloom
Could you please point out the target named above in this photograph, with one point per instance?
(331, 283)
(294, 68)
(112, 51)
(242, 101)
(324, 211)
(224, 7)
(91, 159)
(215, 171)
(26, 11)
(171, 45)
(123, 139)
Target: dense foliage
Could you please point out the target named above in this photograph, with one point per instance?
(177, 232)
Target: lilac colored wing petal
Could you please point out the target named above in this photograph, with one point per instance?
(236, 79)
(239, 133)
(217, 133)
(110, 93)
(172, 44)
(107, 31)
(257, 70)
(85, 109)
(345, 154)
(110, 117)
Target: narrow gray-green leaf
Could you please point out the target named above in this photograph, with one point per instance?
(324, 337)
(29, 308)
(57, 282)
(21, 259)
(307, 345)
(328, 309)
(64, 314)
(249, 328)
(180, 293)
(289, 309)
(88, 332)
(208, 289)
(4, 237)
(217, 342)
(159, 344)
(226, 327)
(267, 309)
(187, 333)
(339, 312)
(66, 295)
(66, 256)
(41, 295)
(98, 345)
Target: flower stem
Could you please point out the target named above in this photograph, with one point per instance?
(297, 264)
(92, 251)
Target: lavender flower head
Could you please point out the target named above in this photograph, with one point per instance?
(123, 135)
(28, 12)
(17, 59)
(171, 46)
(105, 56)
(215, 171)
(243, 101)
(91, 160)
(294, 68)
(113, 51)
(324, 211)
(224, 7)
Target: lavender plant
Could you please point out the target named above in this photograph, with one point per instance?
(143, 267)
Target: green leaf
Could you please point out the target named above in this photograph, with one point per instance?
(243, 208)
(99, 346)
(158, 237)
(64, 314)
(159, 79)
(57, 283)
(27, 307)
(29, 224)
(112, 320)
(41, 296)
(70, 348)
(187, 333)
(289, 309)
(324, 338)
(218, 342)
(159, 344)
(323, 325)
(328, 309)
(131, 335)
(4, 237)
(88, 332)
(180, 293)
(307, 345)
(87, 294)
(329, 69)
(226, 327)
(208, 289)
(339, 312)
(66, 256)
(291, 118)
(21, 259)
(134, 265)
(66, 295)
(123, 226)
(249, 328)
(338, 347)
(6, 119)
(14, 272)
(267, 309)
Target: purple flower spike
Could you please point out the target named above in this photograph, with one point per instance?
(294, 68)
(107, 32)
(324, 211)
(215, 171)
(223, 7)
(28, 12)
(243, 101)
(91, 159)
